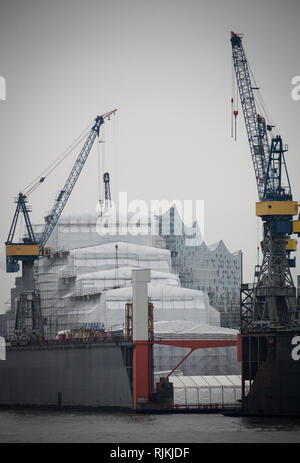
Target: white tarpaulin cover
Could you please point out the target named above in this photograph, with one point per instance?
(181, 329)
(204, 390)
(170, 303)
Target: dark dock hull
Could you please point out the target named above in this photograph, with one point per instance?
(97, 375)
(271, 367)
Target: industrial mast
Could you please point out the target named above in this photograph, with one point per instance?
(270, 321)
(271, 302)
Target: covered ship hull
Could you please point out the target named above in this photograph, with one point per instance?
(271, 365)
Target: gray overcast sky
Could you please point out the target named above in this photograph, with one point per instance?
(166, 65)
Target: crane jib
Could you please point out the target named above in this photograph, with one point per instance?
(64, 195)
(55, 213)
(255, 125)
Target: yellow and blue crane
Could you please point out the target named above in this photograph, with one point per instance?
(271, 302)
(30, 249)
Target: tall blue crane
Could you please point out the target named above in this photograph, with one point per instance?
(272, 303)
(28, 320)
(31, 248)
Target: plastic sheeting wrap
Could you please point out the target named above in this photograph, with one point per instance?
(108, 279)
(76, 287)
(205, 390)
(107, 256)
(179, 329)
(63, 281)
(170, 302)
(91, 282)
(76, 230)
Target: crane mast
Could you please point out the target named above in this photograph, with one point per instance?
(271, 302)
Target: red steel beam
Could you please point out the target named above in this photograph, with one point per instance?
(191, 344)
(166, 377)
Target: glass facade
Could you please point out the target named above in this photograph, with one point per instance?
(212, 269)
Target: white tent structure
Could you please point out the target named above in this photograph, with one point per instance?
(205, 390)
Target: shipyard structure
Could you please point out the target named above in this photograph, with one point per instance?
(86, 280)
(84, 287)
(270, 310)
(148, 320)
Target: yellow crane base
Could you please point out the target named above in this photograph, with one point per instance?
(296, 226)
(291, 244)
(276, 208)
(22, 250)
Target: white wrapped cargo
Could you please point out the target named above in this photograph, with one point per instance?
(204, 390)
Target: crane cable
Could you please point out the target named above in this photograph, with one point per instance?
(232, 97)
(100, 172)
(115, 188)
(31, 187)
(261, 102)
(99, 169)
(234, 103)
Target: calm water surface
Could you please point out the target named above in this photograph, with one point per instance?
(69, 426)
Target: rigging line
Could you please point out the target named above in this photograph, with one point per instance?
(236, 97)
(69, 152)
(253, 83)
(99, 170)
(264, 105)
(259, 106)
(252, 77)
(53, 167)
(256, 94)
(115, 151)
(235, 112)
(271, 120)
(32, 189)
(257, 238)
(259, 97)
(232, 96)
(103, 151)
(232, 80)
(64, 153)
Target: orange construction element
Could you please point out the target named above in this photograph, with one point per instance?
(141, 372)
